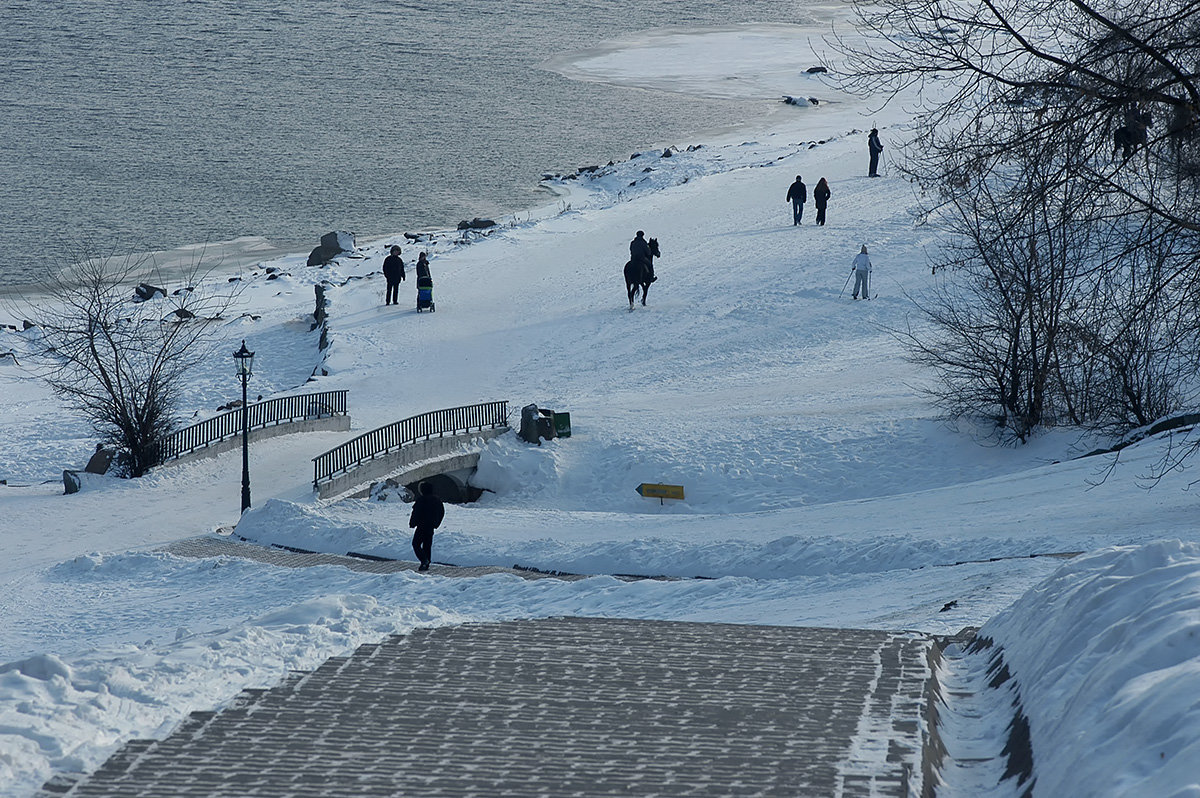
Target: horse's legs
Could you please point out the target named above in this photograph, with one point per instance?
(631, 289)
(645, 290)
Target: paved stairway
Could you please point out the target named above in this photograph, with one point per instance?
(560, 707)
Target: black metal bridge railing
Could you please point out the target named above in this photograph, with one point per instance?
(262, 414)
(369, 445)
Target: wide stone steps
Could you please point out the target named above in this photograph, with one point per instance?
(561, 707)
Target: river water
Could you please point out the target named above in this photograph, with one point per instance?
(143, 126)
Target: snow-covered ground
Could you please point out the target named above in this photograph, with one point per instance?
(821, 487)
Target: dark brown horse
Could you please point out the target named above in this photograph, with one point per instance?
(1128, 138)
(639, 275)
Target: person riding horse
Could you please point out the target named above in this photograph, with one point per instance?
(639, 253)
(1133, 134)
(639, 271)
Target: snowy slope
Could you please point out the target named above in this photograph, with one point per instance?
(822, 489)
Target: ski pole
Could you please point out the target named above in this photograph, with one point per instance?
(848, 276)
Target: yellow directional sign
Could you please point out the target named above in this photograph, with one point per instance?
(655, 491)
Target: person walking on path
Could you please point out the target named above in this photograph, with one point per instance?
(874, 146)
(797, 195)
(821, 199)
(861, 269)
(427, 514)
(393, 272)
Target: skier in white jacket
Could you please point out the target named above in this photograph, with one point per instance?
(861, 268)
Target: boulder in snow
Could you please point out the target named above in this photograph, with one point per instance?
(101, 460)
(339, 242)
(476, 224)
(391, 491)
(143, 292)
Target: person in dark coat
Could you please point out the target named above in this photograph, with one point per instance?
(423, 265)
(874, 146)
(797, 195)
(821, 199)
(639, 248)
(393, 272)
(640, 253)
(427, 514)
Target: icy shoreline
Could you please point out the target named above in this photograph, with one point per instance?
(821, 487)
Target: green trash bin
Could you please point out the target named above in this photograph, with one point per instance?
(562, 425)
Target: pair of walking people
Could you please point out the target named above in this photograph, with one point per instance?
(798, 192)
(798, 196)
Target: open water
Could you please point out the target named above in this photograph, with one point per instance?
(146, 126)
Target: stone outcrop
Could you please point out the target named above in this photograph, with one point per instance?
(144, 292)
(332, 245)
(101, 460)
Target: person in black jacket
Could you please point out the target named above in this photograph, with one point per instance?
(393, 272)
(427, 514)
(797, 195)
(639, 249)
(821, 200)
(874, 147)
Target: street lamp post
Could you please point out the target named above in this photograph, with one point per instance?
(245, 364)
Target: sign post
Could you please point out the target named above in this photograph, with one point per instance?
(653, 490)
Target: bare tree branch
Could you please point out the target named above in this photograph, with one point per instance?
(118, 358)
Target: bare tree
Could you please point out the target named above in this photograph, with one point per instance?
(1097, 76)
(1117, 83)
(1013, 268)
(1142, 335)
(1063, 146)
(117, 357)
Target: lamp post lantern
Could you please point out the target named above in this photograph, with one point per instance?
(245, 364)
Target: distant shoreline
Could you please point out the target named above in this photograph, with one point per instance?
(762, 115)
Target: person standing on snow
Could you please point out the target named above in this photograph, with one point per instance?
(393, 272)
(874, 146)
(427, 514)
(861, 268)
(422, 265)
(797, 195)
(821, 199)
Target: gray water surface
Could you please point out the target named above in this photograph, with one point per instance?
(143, 125)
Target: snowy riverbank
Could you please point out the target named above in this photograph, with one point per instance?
(822, 489)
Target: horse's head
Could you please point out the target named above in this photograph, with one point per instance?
(654, 248)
